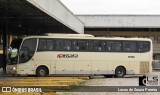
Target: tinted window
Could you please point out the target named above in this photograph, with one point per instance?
(46, 45)
(75, 45)
(42, 45)
(59, 44)
(93, 45)
(129, 46)
(81, 45)
(143, 46)
(27, 50)
(50, 44)
(113, 46)
(96, 45)
(67, 45)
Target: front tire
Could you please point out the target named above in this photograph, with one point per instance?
(41, 72)
(120, 72)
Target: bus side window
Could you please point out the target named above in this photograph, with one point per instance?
(42, 45)
(110, 46)
(143, 46)
(67, 44)
(80, 45)
(126, 46)
(133, 46)
(129, 46)
(146, 46)
(75, 45)
(59, 44)
(96, 45)
(83, 45)
(117, 46)
(113, 46)
(45, 45)
(50, 44)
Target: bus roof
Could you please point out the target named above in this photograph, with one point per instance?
(68, 35)
(86, 36)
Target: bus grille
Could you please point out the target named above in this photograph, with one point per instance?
(144, 67)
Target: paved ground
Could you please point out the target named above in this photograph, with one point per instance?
(3, 75)
(101, 81)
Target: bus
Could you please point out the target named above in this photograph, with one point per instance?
(80, 54)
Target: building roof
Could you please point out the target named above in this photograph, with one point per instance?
(120, 21)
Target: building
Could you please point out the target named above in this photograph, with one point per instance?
(144, 26)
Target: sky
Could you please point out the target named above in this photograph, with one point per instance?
(113, 6)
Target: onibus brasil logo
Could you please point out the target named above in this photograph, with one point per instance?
(15, 89)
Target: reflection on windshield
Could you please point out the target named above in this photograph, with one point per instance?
(13, 54)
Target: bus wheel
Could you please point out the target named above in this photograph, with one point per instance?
(41, 72)
(120, 72)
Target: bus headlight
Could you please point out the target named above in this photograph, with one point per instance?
(14, 68)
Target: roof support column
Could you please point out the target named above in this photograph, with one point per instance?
(5, 42)
(5, 38)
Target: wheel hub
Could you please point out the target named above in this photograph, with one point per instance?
(120, 73)
(42, 72)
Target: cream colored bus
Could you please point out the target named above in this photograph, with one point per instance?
(80, 54)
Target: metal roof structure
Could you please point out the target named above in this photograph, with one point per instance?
(35, 17)
(30, 17)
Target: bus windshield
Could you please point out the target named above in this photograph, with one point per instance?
(27, 50)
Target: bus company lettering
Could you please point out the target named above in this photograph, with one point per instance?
(67, 56)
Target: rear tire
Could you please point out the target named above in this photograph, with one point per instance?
(120, 72)
(41, 72)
